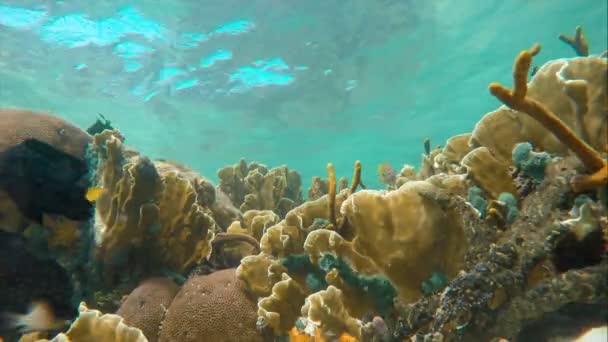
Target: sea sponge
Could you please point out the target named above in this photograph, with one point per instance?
(92, 325)
(531, 163)
(211, 307)
(146, 305)
(18, 125)
(407, 234)
(476, 198)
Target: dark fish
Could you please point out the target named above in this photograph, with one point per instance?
(100, 125)
(41, 179)
(36, 293)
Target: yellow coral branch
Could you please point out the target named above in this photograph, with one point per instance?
(516, 99)
(331, 193)
(578, 42)
(356, 178)
(599, 178)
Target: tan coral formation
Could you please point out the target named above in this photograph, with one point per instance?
(327, 308)
(404, 234)
(254, 187)
(161, 206)
(407, 234)
(92, 325)
(573, 90)
(280, 310)
(489, 173)
(519, 99)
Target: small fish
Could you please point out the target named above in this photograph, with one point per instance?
(93, 193)
(387, 174)
(39, 318)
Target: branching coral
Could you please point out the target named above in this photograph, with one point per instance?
(331, 194)
(517, 99)
(578, 42)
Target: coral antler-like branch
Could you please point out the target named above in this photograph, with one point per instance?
(578, 42)
(356, 178)
(516, 99)
(331, 193)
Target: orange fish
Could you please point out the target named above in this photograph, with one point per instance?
(93, 193)
(296, 335)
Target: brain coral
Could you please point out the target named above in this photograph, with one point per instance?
(18, 125)
(145, 307)
(211, 308)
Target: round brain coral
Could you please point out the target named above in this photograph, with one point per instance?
(145, 307)
(18, 125)
(211, 308)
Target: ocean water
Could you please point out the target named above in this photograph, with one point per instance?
(300, 83)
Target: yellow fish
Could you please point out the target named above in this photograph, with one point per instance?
(93, 193)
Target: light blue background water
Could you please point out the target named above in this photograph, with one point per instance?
(300, 83)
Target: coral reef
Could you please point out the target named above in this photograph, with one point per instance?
(499, 230)
(518, 99)
(254, 187)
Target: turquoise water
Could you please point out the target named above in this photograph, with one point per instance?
(297, 83)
